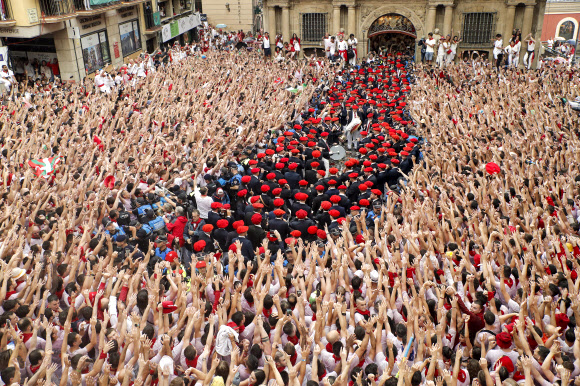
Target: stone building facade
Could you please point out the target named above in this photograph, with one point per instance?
(476, 22)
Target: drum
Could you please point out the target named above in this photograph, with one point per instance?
(337, 153)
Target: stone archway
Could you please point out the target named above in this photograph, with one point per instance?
(375, 13)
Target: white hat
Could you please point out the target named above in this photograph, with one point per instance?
(359, 273)
(17, 273)
(374, 276)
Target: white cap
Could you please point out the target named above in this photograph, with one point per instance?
(374, 276)
(359, 273)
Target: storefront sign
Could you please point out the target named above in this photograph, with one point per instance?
(30, 32)
(32, 15)
(90, 22)
(116, 50)
(203, 17)
(126, 12)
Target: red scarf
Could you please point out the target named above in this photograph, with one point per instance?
(293, 339)
(191, 362)
(267, 312)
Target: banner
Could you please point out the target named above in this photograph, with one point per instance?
(101, 2)
(166, 33)
(174, 29)
(156, 18)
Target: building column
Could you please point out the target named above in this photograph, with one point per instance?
(335, 20)
(114, 36)
(430, 22)
(351, 20)
(272, 23)
(286, 23)
(509, 23)
(448, 19)
(526, 29)
(70, 56)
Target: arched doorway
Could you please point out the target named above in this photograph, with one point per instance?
(392, 33)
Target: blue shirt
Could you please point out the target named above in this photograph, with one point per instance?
(161, 254)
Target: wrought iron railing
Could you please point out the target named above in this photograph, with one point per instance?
(56, 7)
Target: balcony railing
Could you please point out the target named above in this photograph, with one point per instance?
(5, 11)
(56, 7)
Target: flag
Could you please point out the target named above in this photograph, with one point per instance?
(44, 167)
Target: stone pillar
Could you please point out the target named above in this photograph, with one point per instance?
(526, 29)
(509, 23)
(430, 21)
(335, 20)
(70, 56)
(114, 36)
(448, 19)
(351, 20)
(272, 23)
(286, 23)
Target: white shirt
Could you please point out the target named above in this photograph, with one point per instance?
(430, 43)
(327, 44)
(266, 42)
(531, 45)
(497, 48)
(342, 45)
(352, 43)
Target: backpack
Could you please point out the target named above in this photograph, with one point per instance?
(350, 54)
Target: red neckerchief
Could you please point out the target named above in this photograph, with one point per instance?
(267, 312)
(34, 369)
(329, 347)
(336, 359)
(518, 376)
(293, 359)
(26, 336)
(191, 362)
(364, 313)
(314, 317)
(322, 377)
(293, 339)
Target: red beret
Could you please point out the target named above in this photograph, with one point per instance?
(270, 176)
(335, 198)
(319, 188)
(376, 192)
(296, 233)
(364, 202)
(276, 191)
(237, 224)
(242, 193)
(265, 188)
(312, 230)
(362, 187)
(293, 166)
(254, 199)
(333, 170)
(256, 218)
(255, 170)
(315, 164)
(334, 213)
(207, 228)
(321, 172)
(316, 153)
(222, 223)
(301, 213)
(246, 179)
(279, 212)
(302, 182)
(241, 229)
(325, 205)
(198, 246)
(354, 207)
(278, 202)
(321, 234)
(282, 181)
(216, 205)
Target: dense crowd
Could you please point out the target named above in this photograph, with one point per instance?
(192, 226)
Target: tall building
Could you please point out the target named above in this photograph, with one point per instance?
(561, 20)
(87, 35)
(378, 23)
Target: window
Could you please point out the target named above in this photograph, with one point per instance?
(478, 28)
(567, 29)
(313, 26)
(130, 37)
(95, 51)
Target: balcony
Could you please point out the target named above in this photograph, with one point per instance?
(152, 20)
(6, 16)
(54, 11)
